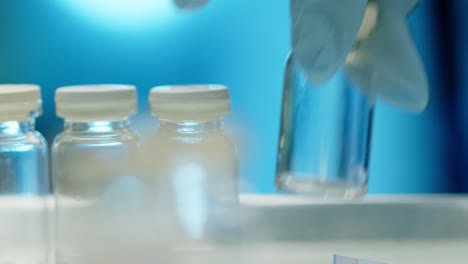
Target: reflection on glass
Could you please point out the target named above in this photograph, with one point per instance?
(24, 184)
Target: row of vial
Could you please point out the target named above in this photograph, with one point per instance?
(112, 193)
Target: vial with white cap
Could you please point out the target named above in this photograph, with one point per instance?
(24, 178)
(96, 192)
(195, 163)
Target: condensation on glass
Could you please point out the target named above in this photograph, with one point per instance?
(102, 206)
(196, 169)
(24, 178)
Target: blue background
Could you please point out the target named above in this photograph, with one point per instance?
(242, 44)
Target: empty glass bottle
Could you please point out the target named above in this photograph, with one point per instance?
(24, 178)
(100, 200)
(195, 166)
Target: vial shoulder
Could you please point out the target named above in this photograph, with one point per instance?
(67, 138)
(29, 138)
(193, 138)
(203, 143)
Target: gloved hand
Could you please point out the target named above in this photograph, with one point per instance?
(323, 34)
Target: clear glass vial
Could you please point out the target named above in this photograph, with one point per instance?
(326, 128)
(97, 194)
(24, 178)
(325, 135)
(195, 163)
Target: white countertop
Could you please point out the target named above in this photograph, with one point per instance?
(295, 229)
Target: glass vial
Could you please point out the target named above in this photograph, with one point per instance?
(196, 168)
(325, 133)
(326, 128)
(24, 178)
(98, 197)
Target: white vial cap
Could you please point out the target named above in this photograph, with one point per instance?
(20, 101)
(104, 102)
(190, 102)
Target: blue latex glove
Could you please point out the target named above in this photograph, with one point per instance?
(324, 32)
(399, 73)
(323, 35)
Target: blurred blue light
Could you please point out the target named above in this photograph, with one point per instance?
(123, 14)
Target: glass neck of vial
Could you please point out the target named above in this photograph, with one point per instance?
(73, 126)
(16, 128)
(191, 126)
